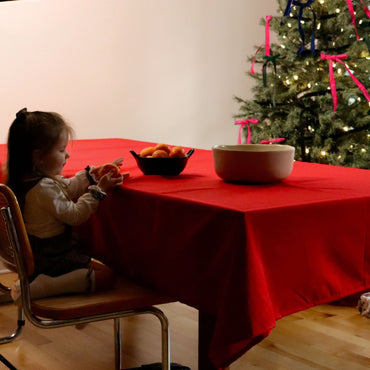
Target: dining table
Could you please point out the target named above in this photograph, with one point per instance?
(243, 255)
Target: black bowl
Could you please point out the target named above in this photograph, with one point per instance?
(162, 166)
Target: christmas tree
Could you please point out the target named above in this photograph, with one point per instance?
(312, 87)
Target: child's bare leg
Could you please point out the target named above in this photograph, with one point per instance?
(76, 281)
(42, 286)
(98, 277)
(102, 276)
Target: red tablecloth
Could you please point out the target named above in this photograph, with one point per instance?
(247, 254)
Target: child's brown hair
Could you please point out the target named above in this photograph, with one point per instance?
(30, 131)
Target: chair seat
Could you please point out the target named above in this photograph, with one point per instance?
(123, 296)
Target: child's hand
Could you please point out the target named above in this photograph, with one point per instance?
(108, 182)
(100, 171)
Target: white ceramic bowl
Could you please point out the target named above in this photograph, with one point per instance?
(253, 163)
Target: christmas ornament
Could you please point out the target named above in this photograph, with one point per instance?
(338, 59)
(267, 43)
(303, 6)
(278, 140)
(242, 124)
(353, 17)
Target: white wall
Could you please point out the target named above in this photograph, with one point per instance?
(156, 70)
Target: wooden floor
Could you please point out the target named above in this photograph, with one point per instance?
(323, 337)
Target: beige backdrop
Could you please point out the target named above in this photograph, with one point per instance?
(156, 70)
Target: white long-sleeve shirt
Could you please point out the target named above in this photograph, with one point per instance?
(50, 206)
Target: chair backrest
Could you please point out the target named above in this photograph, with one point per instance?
(13, 236)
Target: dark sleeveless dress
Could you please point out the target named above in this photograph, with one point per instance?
(59, 254)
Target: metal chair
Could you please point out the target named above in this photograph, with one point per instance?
(126, 298)
(4, 289)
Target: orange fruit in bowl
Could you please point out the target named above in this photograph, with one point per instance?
(162, 151)
(164, 147)
(160, 154)
(177, 151)
(146, 152)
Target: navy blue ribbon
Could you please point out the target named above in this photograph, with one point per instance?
(302, 6)
(288, 8)
(271, 59)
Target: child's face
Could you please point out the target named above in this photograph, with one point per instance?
(53, 162)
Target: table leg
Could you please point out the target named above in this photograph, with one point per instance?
(205, 331)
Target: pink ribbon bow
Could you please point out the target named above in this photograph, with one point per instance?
(337, 58)
(267, 35)
(353, 17)
(365, 8)
(242, 124)
(277, 140)
(267, 43)
(254, 60)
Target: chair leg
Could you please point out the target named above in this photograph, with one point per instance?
(10, 338)
(165, 344)
(117, 344)
(166, 350)
(17, 331)
(165, 338)
(7, 363)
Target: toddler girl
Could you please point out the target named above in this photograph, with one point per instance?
(52, 204)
